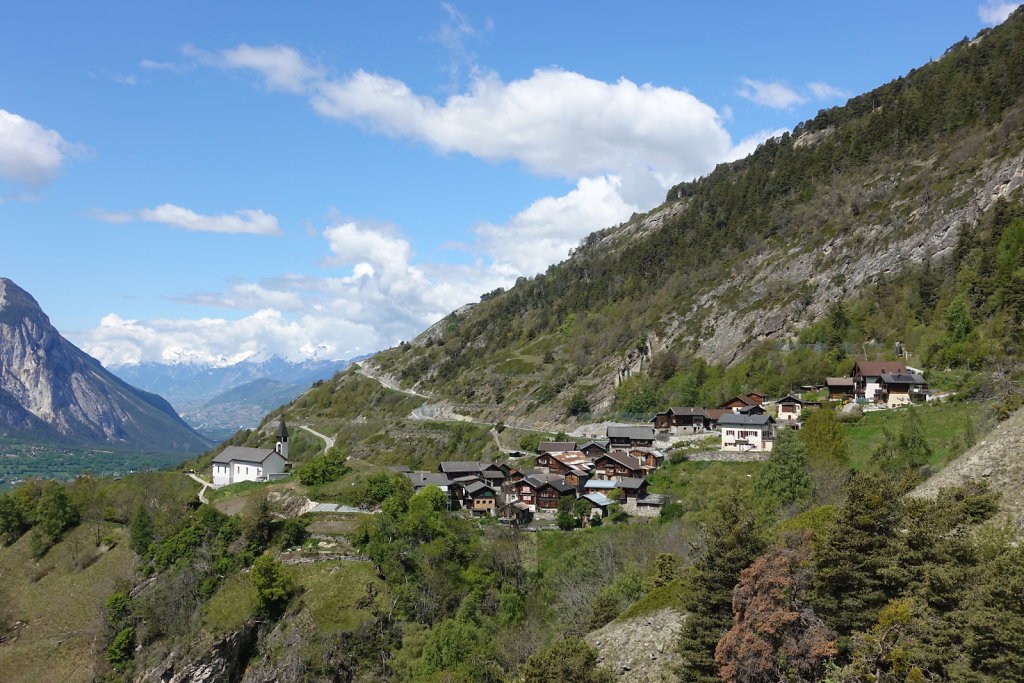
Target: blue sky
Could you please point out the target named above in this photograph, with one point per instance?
(215, 181)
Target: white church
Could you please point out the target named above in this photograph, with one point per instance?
(238, 463)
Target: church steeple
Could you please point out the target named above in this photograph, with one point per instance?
(282, 439)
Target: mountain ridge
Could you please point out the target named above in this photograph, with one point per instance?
(44, 376)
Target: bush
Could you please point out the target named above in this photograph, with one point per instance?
(323, 468)
(273, 587)
(119, 652)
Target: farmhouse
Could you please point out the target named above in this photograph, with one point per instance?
(867, 376)
(685, 420)
(839, 388)
(901, 389)
(630, 437)
(617, 464)
(747, 432)
(238, 463)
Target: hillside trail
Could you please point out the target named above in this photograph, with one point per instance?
(388, 382)
(326, 439)
(202, 491)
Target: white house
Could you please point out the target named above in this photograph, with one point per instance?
(238, 463)
(747, 432)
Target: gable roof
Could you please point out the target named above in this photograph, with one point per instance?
(895, 378)
(476, 487)
(873, 368)
(244, 454)
(737, 419)
(745, 400)
(638, 433)
(630, 461)
(466, 466)
(606, 484)
(598, 499)
(421, 479)
(555, 446)
(631, 482)
(600, 443)
(789, 398)
(539, 481)
(716, 413)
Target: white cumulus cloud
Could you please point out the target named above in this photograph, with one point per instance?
(993, 13)
(544, 232)
(776, 95)
(824, 91)
(243, 221)
(29, 153)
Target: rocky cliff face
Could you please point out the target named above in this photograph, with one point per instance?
(50, 388)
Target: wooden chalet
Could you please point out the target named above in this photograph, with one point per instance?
(839, 388)
(556, 446)
(867, 376)
(902, 389)
(632, 487)
(618, 464)
(624, 438)
(744, 400)
(651, 459)
(686, 420)
(480, 498)
(595, 448)
(563, 463)
(790, 408)
(543, 491)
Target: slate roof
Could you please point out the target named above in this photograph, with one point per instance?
(537, 481)
(556, 446)
(422, 479)
(629, 461)
(839, 381)
(632, 433)
(874, 368)
(606, 484)
(600, 443)
(244, 454)
(631, 482)
(598, 499)
(685, 411)
(893, 378)
(736, 419)
(476, 487)
(466, 466)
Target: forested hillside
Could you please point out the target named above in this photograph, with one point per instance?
(896, 217)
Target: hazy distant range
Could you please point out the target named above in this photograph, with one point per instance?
(218, 401)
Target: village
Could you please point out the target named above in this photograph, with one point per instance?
(614, 470)
(608, 474)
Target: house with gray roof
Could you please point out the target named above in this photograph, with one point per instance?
(747, 432)
(630, 437)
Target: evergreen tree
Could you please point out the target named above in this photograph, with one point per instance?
(784, 483)
(731, 542)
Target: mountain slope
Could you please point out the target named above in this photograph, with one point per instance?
(49, 387)
(920, 178)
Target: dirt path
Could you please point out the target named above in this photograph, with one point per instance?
(326, 439)
(202, 491)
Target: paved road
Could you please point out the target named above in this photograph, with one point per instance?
(327, 440)
(202, 491)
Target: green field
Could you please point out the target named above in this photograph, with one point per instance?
(943, 426)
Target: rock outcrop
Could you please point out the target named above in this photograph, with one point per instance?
(51, 389)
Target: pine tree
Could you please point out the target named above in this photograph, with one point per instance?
(731, 543)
